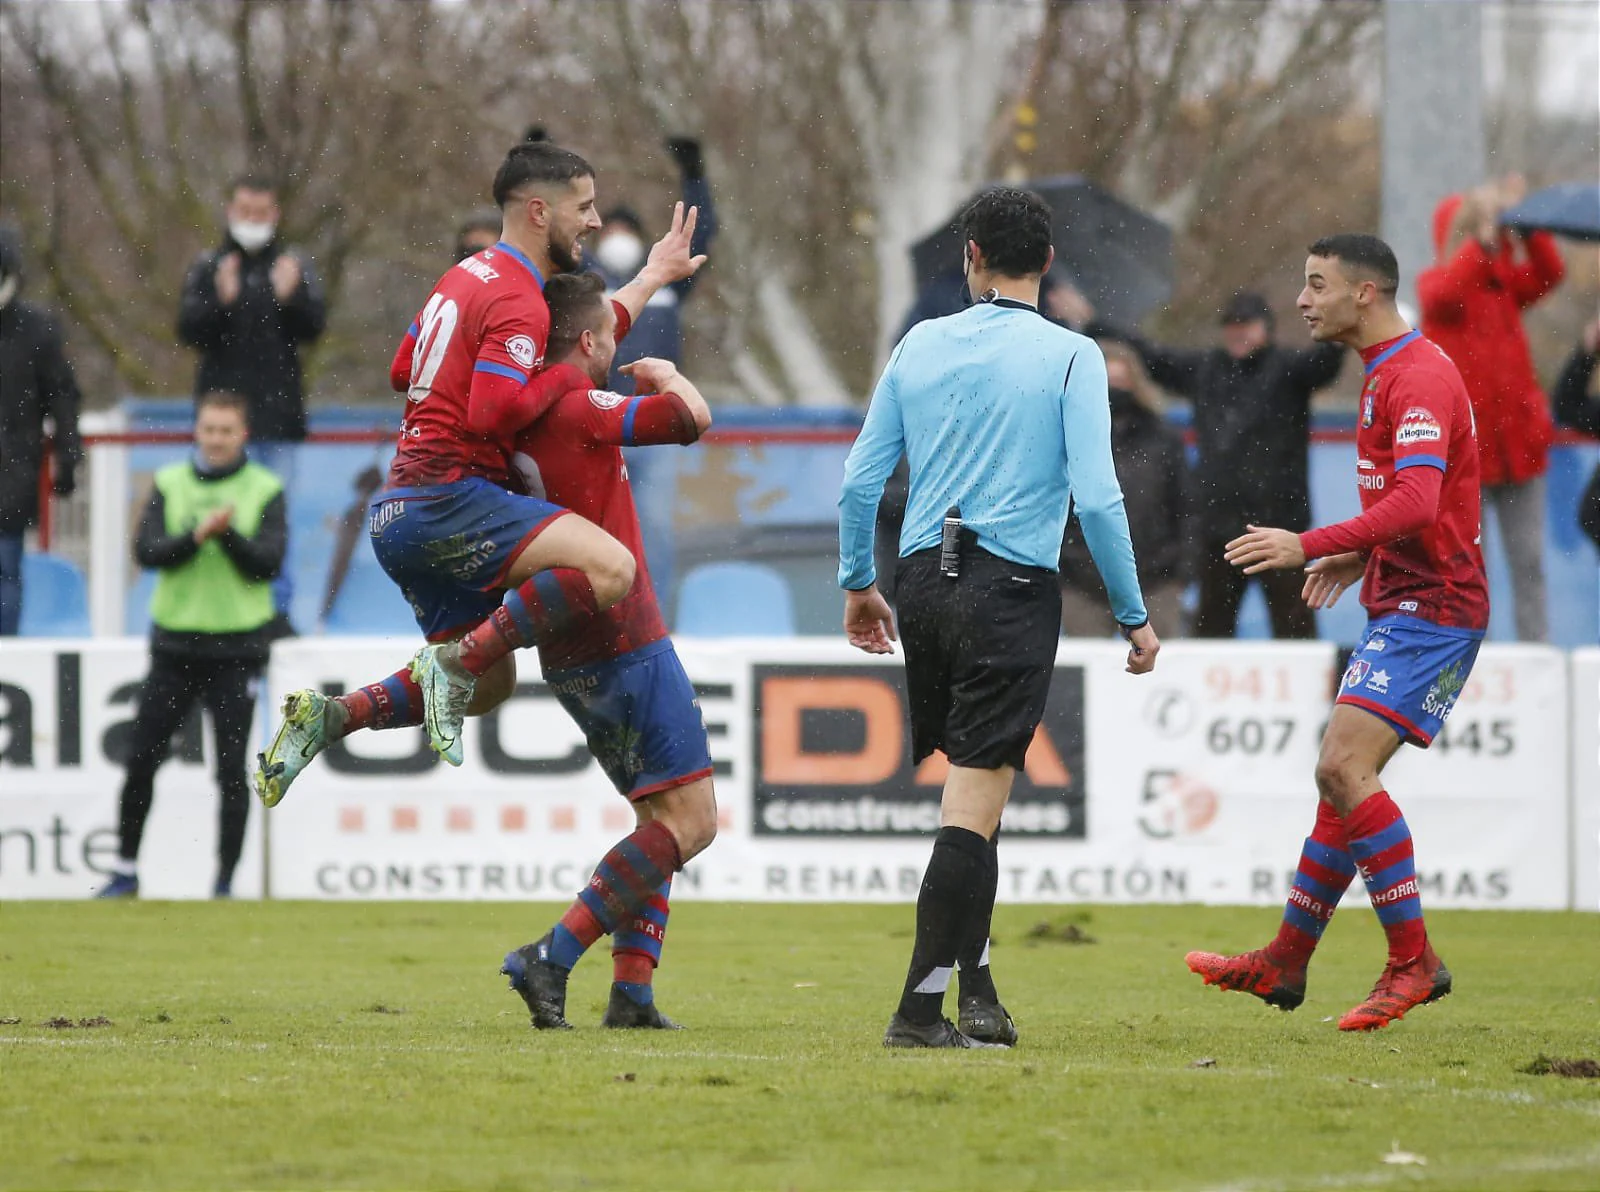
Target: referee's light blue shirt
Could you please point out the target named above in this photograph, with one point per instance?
(1004, 414)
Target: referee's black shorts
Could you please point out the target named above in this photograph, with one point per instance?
(980, 651)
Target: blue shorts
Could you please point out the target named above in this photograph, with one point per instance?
(1409, 673)
(640, 718)
(449, 547)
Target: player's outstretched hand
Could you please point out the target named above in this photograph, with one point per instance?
(669, 258)
(1262, 548)
(869, 622)
(1143, 646)
(1326, 579)
(650, 374)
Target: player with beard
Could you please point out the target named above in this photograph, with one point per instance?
(451, 527)
(1427, 600)
(616, 674)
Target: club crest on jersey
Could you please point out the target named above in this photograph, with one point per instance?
(1417, 425)
(520, 348)
(1369, 396)
(1357, 672)
(604, 399)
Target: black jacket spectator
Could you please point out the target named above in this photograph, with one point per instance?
(35, 382)
(253, 346)
(1252, 420)
(1155, 479)
(1577, 408)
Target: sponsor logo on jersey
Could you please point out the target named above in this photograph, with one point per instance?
(1357, 672)
(1408, 606)
(1378, 681)
(604, 399)
(1442, 694)
(1376, 646)
(1417, 426)
(520, 348)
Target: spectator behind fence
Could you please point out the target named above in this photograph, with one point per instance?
(1252, 418)
(1578, 406)
(214, 529)
(36, 383)
(1154, 472)
(619, 253)
(248, 306)
(1472, 301)
(478, 231)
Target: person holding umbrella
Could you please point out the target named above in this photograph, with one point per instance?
(1484, 276)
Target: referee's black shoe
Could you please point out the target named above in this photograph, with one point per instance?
(941, 1034)
(987, 1022)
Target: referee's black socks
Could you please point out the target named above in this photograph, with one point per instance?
(973, 956)
(952, 890)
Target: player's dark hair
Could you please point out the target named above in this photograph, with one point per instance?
(536, 163)
(254, 180)
(1012, 228)
(577, 303)
(1364, 256)
(223, 399)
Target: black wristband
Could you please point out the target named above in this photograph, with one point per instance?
(1127, 631)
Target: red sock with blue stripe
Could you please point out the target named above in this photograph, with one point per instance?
(538, 609)
(395, 702)
(623, 883)
(636, 948)
(1325, 872)
(1380, 842)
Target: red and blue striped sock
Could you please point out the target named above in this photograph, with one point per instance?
(395, 702)
(636, 947)
(538, 609)
(1325, 872)
(1380, 841)
(625, 880)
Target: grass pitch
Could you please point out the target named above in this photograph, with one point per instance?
(296, 1045)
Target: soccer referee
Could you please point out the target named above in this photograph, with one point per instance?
(1003, 417)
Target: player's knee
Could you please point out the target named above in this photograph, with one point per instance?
(1335, 775)
(612, 576)
(693, 823)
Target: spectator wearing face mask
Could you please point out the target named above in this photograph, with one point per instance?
(250, 306)
(36, 383)
(619, 252)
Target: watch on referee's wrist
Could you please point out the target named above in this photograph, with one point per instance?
(1129, 630)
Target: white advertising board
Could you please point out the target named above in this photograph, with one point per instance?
(1586, 779)
(1192, 784)
(66, 712)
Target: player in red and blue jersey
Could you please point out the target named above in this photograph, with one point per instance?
(616, 674)
(1415, 546)
(451, 528)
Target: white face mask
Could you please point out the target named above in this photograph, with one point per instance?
(620, 253)
(250, 235)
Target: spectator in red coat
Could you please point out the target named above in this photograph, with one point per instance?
(1472, 300)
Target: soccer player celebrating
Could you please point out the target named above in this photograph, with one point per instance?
(1416, 543)
(617, 674)
(445, 528)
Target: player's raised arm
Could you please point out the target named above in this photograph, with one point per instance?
(671, 260)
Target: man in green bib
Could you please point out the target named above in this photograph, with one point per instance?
(214, 528)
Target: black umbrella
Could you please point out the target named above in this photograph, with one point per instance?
(1571, 209)
(1117, 255)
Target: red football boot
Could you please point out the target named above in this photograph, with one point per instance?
(1399, 989)
(1253, 973)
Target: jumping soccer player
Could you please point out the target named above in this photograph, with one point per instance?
(446, 528)
(1427, 601)
(617, 674)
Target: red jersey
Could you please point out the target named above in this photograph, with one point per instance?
(573, 457)
(464, 366)
(1415, 414)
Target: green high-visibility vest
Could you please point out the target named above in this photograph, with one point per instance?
(208, 594)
